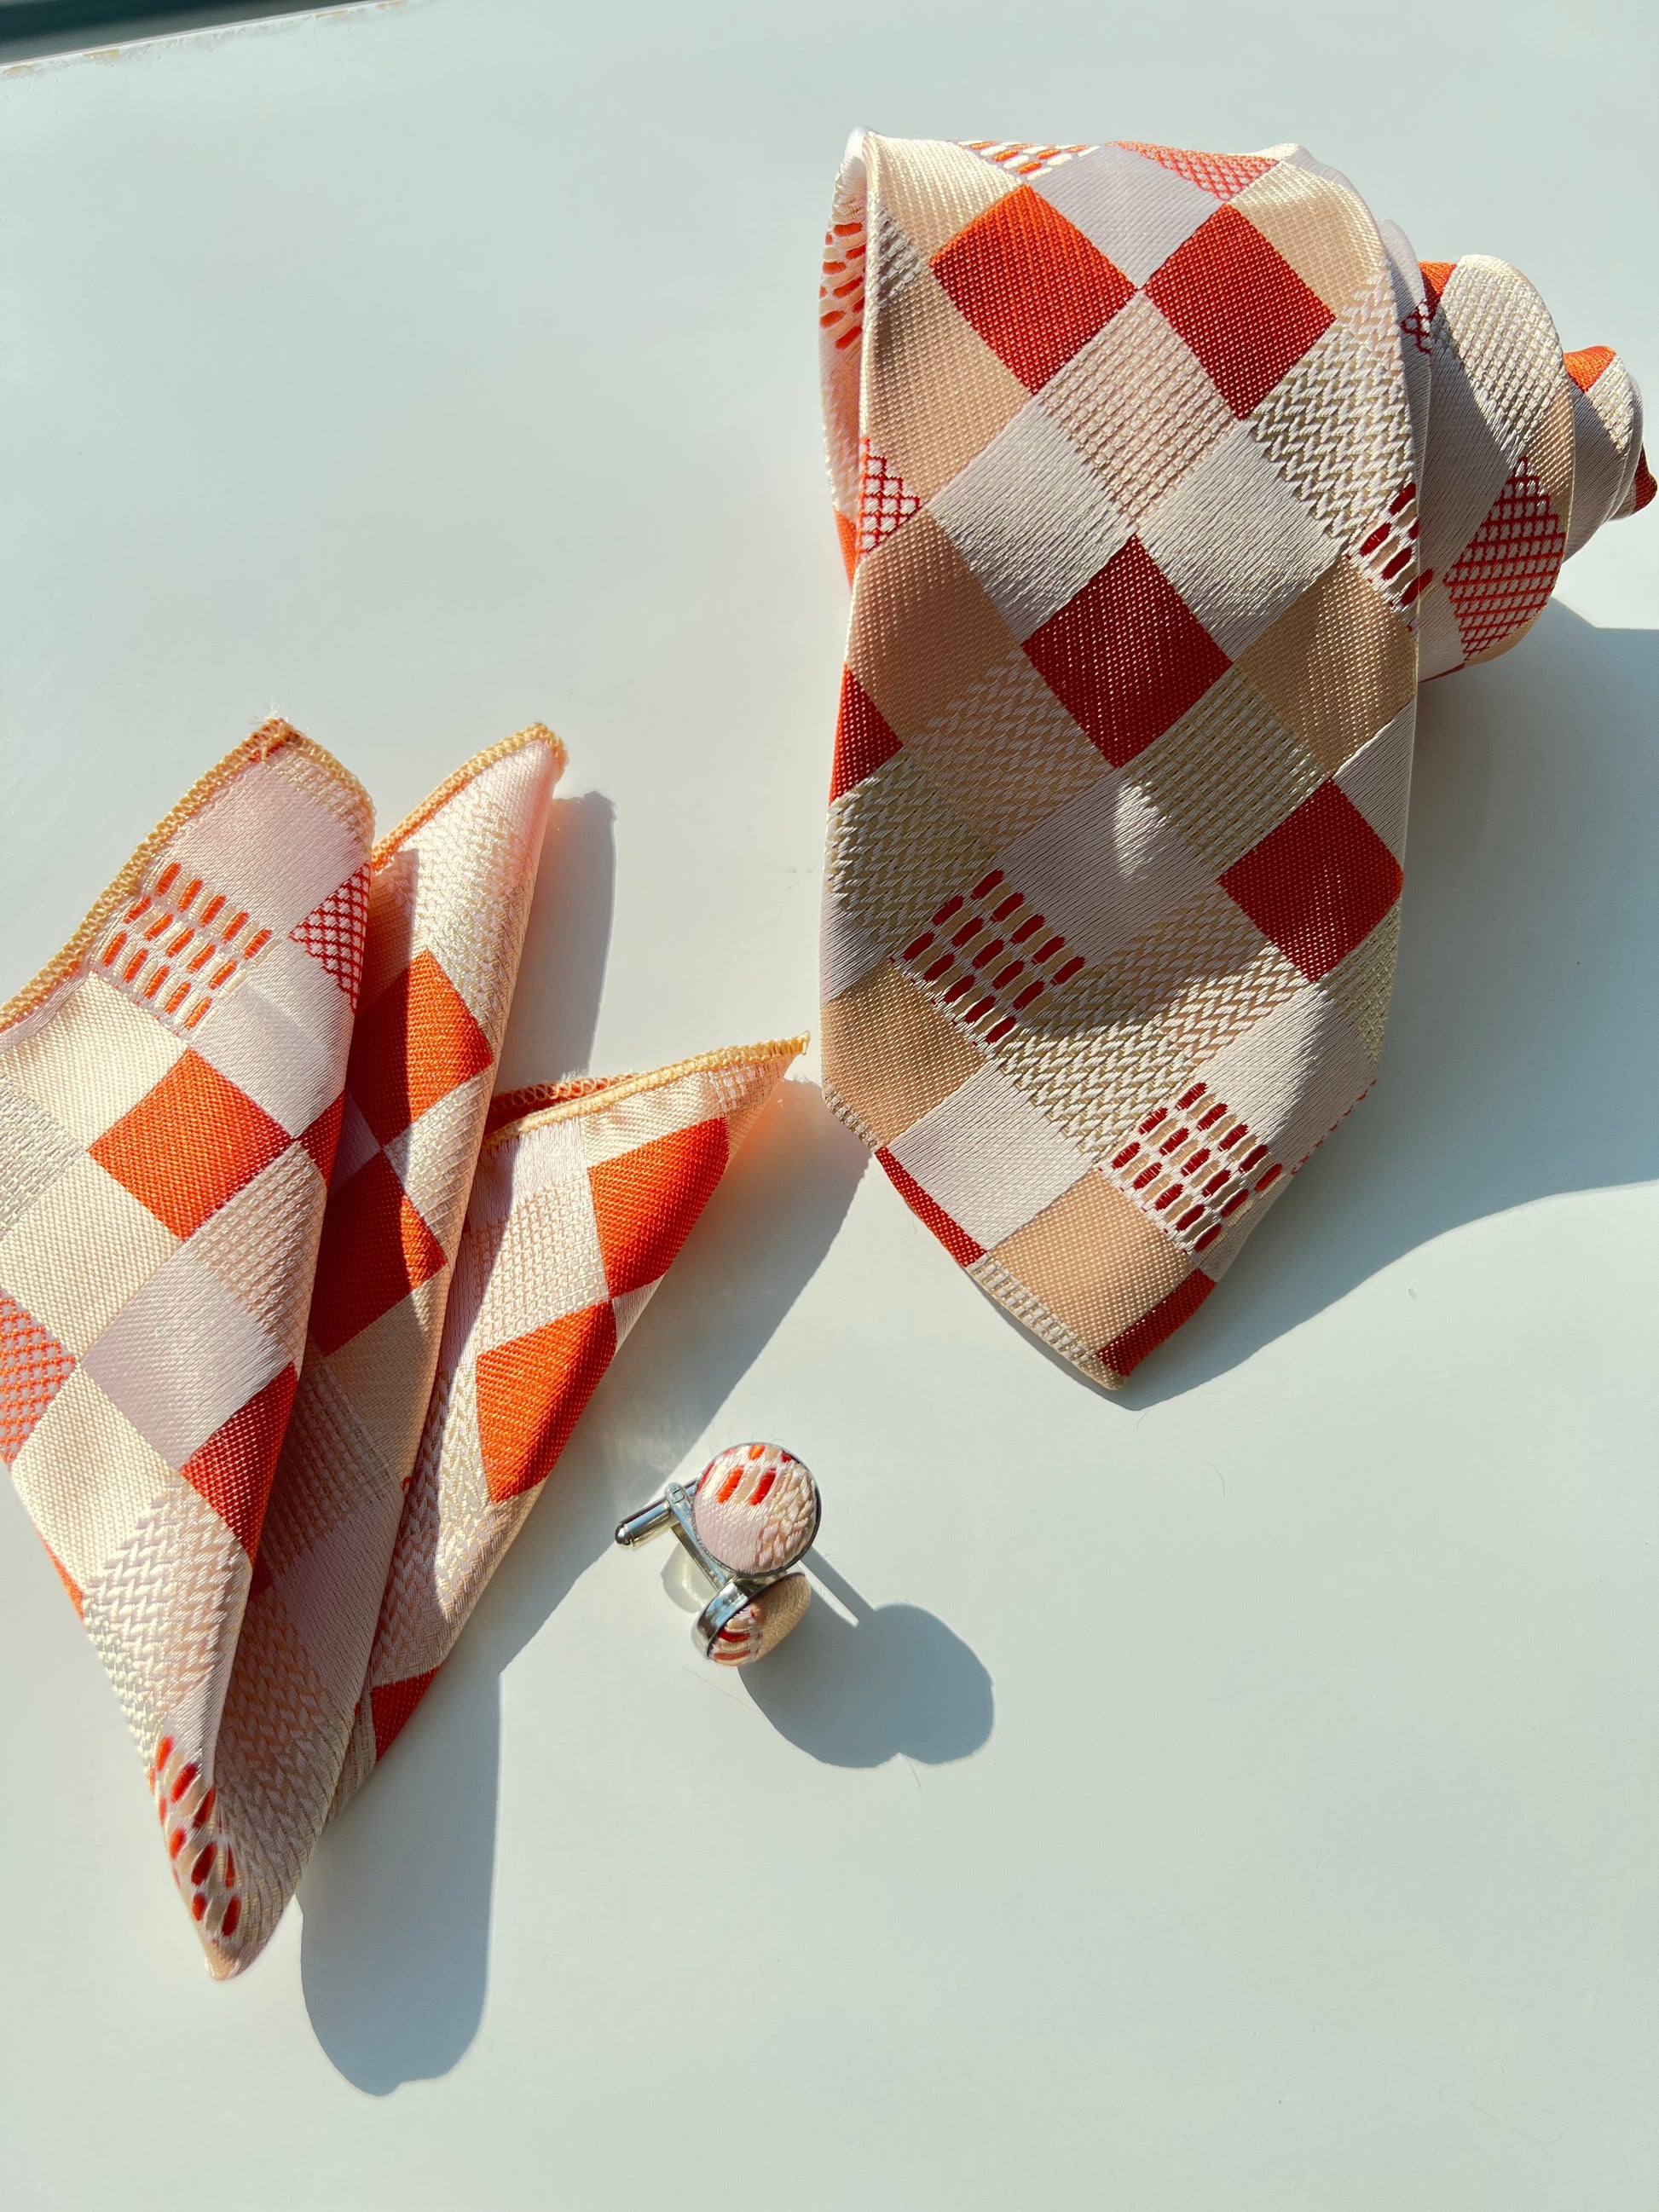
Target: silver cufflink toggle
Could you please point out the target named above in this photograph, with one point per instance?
(749, 1515)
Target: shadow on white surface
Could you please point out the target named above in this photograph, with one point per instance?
(394, 1955)
(893, 1681)
(1520, 1066)
(1523, 1040)
(555, 1003)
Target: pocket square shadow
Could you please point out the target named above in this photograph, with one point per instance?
(397, 1899)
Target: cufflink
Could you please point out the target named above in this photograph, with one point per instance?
(749, 1515)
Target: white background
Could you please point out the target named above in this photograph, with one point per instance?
(1237, 1794)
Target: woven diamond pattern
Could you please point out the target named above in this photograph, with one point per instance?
(231, 1216)
(580, 1208)
(1222, 477)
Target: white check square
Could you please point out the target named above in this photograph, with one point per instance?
(1136, 211)
(1103, 868)
(1236, 542)
(1031, 518)
(989, 1158)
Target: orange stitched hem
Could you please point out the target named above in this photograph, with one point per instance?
(536, 1097)
(270, 737)
(537, 1104)
(532, 733)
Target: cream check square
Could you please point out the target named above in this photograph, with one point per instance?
(91, 1059)
(87, 1476)
(1378, 779)
(1139, 405)
(269, 848)
(846, 953)
(84, 1247)
(516, 1168)
(293, 979)
(170, 1672)
(551, 1242)
(353, 1555)
(1227, 772)
(433, 1157)
(1031, 520)
(33, 1153)
(182, 1357)
(266, 1051)
(1292, 1075)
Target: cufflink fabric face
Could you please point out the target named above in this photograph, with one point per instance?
(750, 1515)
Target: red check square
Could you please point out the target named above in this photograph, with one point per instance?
(1030, 283)
(375, 1250)
(1317, 884)
(413, 1046)
(190, 1145)
(863, 737)
(530, 1393)
(1240, 306)
(647, 1202)
(1126, 657)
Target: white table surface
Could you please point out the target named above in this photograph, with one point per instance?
(1238, 1793)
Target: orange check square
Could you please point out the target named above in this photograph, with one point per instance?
(189, 1143)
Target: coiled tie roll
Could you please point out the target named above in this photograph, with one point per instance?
(1162, 479)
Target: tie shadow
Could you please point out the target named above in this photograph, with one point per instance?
(1519, 1067)
(1523, 1039)
(397, 1899)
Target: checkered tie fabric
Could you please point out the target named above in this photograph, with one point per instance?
(282, 1365)
(1162, 479)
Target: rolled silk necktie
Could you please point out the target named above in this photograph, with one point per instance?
(295, 1320)
(1162, 479)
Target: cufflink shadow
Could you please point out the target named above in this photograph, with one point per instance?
(1523, 1040)
(893, 1681)
(394, 1955)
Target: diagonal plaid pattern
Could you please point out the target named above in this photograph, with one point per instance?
(162, 1083)
(448, 894)
(1162, 478)
(240, 1123)
(583, 1198)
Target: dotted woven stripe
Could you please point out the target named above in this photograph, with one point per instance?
(177, 944)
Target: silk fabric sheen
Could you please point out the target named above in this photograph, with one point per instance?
(294, 1318)
(1163, 478)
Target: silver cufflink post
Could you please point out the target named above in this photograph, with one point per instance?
(752, 1514)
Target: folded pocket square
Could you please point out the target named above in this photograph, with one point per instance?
(294, 1320)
